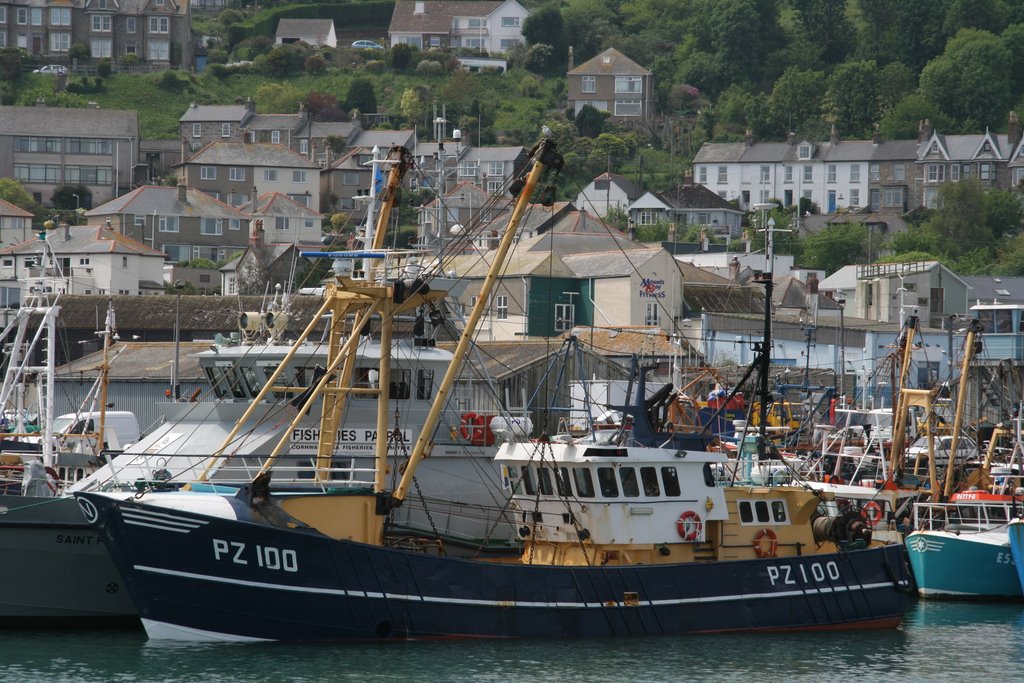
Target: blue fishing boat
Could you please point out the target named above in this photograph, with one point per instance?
(961, 549)
(628, 531)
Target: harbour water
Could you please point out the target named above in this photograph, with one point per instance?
(939, 641)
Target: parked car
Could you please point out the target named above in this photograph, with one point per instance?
(367, 45)
(55, 69)
(965, 450)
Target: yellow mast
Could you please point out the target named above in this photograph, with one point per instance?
(899, 422)
(961, 398)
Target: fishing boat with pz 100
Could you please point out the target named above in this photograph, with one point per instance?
(625, 532)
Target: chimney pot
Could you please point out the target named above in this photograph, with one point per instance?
(182, 192)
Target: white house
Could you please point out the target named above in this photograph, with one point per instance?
(605, 192)
(91, 260)
(15, 223)
(314, 32)
(494, 27)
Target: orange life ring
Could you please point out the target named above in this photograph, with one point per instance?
(872, 513)
(466, 425)
(688, 525)
(773, 543)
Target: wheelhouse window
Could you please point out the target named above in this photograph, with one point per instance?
(424, 384)
(649, 477)
(670, 479)
(584, 482)
(630, 486)
(763, 512)
(606, 480)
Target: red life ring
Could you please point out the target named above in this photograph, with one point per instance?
(476, 429)
(466, 425)
(688, 525)
(872, 513)
(773, 543)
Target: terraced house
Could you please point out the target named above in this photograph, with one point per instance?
(45, 148)
(157, 31)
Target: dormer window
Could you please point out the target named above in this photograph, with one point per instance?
(935, 148)
(101, 4)
(804, 151)
(986, 147)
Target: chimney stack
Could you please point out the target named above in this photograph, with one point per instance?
(1013, 133)
(812, 283)
(734, 269)
(572, 59)
(182, 192)
(256, 232)
(833, 135)
(748, 138)
(924, 131)
(876, 136)
(790, 138)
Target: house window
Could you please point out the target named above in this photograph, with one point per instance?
(808, 174)
(468, 169)
(304, 146)
(875, 200)
(702, 175)
(854, 197)
(159, 25)
(589, 84)
(892, 196)
(270, 175)
(197, 130)
(645, 217)
(59, 42)
(985, 171)
(37, 173)
(509, 22)
(234, 224)
(236, 173)
(302, 199)
(764, 196)
(225, 130)
(493, 186)
(804, 152)
(21, 15)
(298, 176)
(565, 316)
(275, 136)
(628, 108)
(651, 316)
(723, 175)
(854, 173)
(101, 23)
(954, 172)
(875, 172)
(177, 252)
(129, 24)
(936, 173)
(789, 174)
(3, 39)
(766, 172)
(37, 16)
(496, 169)
(831, 173)
(281, 223)
(899, 172)
(931, 198)
(1018, 176)
(168, 224)
(60, 16)
(349, 178)
(501, 307)
(3, 15)
(207, 172)
(89, 175)
(99, 48)
(967, 170)
(159, 50)
(124, 261)
(629, 84)
(211, 226)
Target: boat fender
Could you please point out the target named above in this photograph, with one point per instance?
(688, 525)
(762, 549)
(872, 513)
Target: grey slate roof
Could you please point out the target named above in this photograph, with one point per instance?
(202, 113)
(85, 239)
(275, 121)
(296, 28)
(277, 204)
(384, 139)
(611, 62)
(691, 196)
(608, 263)
(68, 122)
(436, 16)
(8, 209)
(164, 201)
(987, 288)
(250, 154)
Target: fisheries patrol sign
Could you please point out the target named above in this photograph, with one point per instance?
(304, 440)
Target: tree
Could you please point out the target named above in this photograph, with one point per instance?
(323, 106)
(970, 81)
(589, 121)
(1003, 212)
(590, 26)
(834, 247)
(413, 105)
(545, 27)
(71, 197)
(284, 60)
(361, 96)
(315, 64)
(826, 21)
(902, 121)
(399, 56)
(796, 99)
(12, 191)
(277, 98)
(960, 222)
(852, 98)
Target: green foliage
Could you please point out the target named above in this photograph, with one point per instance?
(283, 60)
(974, 262)
(851, 102)
(399, 56)
(589, 121)
(64, 197)
(834, 247)
(826, 20)
(103, 68)
(961, 221)
(902, 121)
(1003, 212)
(12, 191)
(796, 100)
(909, 257)
(172, 81)
(315, 64)
(429, 67)
(546, 27)
(79, 52)
(361, 96)
(277, 98)
(652, 233)
(970, 81)
(915, 240)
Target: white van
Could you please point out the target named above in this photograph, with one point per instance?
(121, 429)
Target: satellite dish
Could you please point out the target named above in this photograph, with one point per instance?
(455, 229)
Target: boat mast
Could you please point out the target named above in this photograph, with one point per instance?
(545, 157)
(899, 421)
(973, 328)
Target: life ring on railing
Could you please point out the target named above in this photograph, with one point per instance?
(759, 546)
(475, 429)
(688, 525)
(872, 513)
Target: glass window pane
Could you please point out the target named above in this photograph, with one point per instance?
(670, 477)
(630, 486)
(649, 475)
(584, 482)
(606, 479)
